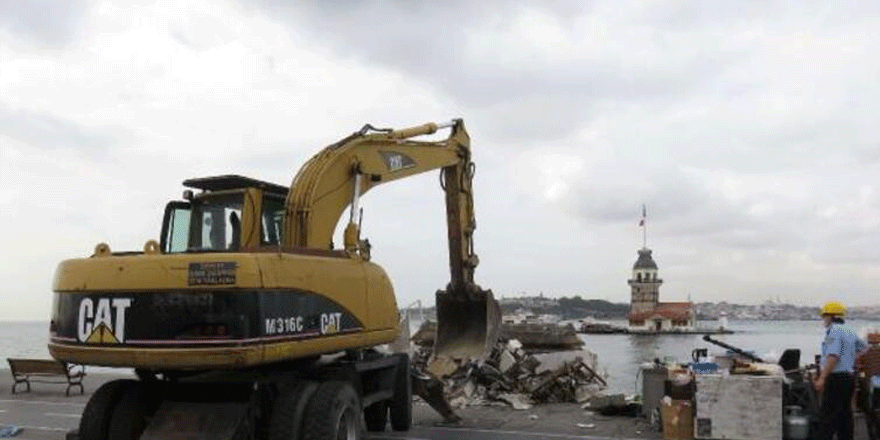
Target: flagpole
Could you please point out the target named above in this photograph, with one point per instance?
(644, 227)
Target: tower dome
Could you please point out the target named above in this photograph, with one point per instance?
(645, 260)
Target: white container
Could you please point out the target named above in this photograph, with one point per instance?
(738, 407)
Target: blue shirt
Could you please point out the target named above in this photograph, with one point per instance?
(843, 343)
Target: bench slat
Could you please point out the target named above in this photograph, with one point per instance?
(37, 366)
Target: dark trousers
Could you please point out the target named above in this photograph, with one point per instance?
(836, 413)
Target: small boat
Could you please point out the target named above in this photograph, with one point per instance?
(591, 326)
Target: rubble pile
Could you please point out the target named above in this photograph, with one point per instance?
(511, 376)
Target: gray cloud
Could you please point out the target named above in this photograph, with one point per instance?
(656, 62)
(53, 24)
(49, 132)
(478, 55)
(749, 129)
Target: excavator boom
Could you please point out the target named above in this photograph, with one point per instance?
(335, 178)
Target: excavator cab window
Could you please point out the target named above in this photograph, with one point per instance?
(272, 219)
(216, 224)
(175, 227)
(211, 222)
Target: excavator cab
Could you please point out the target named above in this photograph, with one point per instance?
(231, 214)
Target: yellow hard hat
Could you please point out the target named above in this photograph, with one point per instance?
(833, 308)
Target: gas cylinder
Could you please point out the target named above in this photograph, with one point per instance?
(795, 425)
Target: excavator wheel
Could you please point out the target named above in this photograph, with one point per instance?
(401, 403)
(96, 416)
(287, 413)
(376, 416)
(137, 402)
(333, 412)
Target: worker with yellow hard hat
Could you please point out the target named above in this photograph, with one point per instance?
(836, 378)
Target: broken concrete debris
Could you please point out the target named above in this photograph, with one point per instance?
(513, 376)
(517, 401)
(530, 336)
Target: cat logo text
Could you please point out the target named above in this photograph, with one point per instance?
(102, 320)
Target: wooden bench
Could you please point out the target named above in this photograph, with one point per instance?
(46, 371)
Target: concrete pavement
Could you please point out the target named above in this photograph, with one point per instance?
(46, 414)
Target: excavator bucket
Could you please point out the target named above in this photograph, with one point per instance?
(468, 324)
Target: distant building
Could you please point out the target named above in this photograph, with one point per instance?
(647, 313)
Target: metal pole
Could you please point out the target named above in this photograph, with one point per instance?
(355, 198)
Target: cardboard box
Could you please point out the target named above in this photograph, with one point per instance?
(678, 419)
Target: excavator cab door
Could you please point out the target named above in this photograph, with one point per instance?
(175, 227)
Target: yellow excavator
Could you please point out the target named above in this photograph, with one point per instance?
(243, 321)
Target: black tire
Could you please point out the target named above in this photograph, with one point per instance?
(401, 403)
(285, 422)
(95, 420)
(138, 401)
(376, 416)
(333, 413)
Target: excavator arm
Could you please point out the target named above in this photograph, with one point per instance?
(336, 177)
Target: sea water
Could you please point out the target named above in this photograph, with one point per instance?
(620, 356)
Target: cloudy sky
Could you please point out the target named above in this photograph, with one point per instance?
(750, 129)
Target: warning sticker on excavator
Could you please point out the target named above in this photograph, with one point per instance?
(396, 161)
(211, 274)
